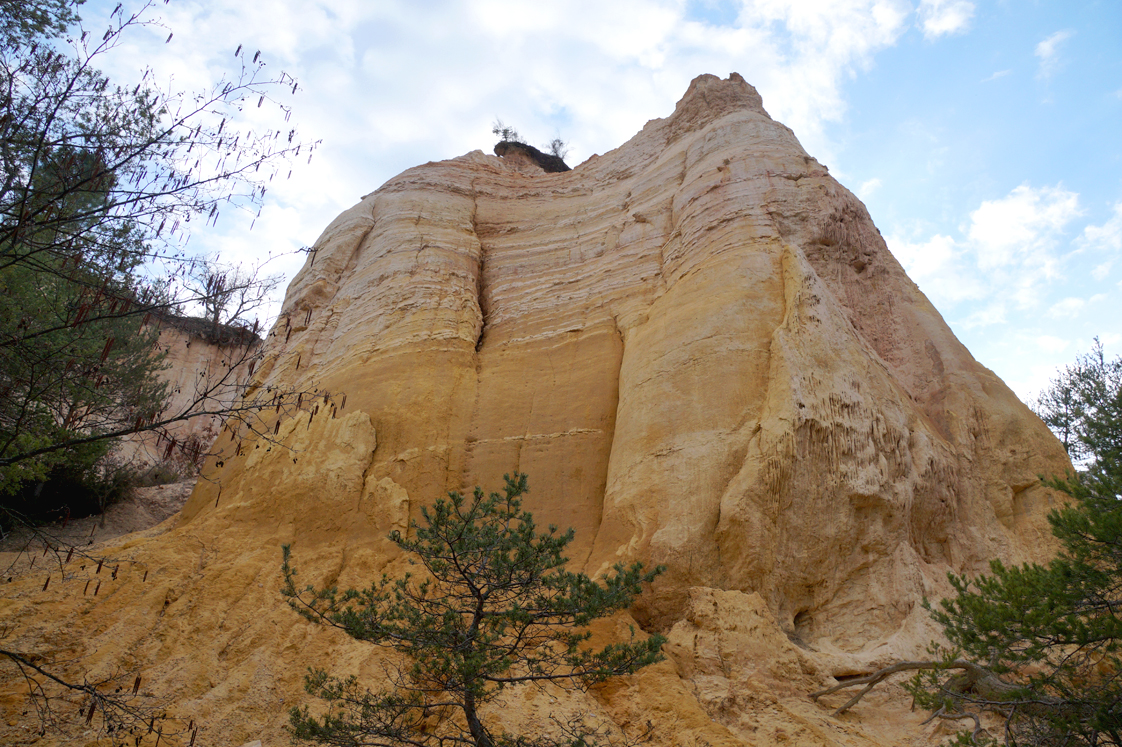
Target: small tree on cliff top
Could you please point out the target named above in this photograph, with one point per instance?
(493, 608)
(506, 133)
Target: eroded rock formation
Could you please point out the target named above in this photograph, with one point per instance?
(702, 353)
(530, 158)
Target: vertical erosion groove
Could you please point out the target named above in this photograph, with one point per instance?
(609, 441)
(480, 289)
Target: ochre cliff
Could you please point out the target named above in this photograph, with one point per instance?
(702, 353)
(204, 368)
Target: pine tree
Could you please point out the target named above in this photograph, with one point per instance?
(493, 608)
(73, 361)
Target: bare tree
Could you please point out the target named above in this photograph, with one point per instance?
(229, 294)
(506, 134)
(100, 184)
(558, 147)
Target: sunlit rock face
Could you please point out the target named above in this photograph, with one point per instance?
(704, 356)
(699, 349)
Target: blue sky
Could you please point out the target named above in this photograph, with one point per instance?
(983, 135)
(1010, 130)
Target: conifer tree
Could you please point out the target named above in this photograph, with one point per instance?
(493, 607)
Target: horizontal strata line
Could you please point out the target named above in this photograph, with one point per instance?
(538, 436)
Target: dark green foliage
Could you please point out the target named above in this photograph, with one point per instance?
(1083, 407)
(86, 483)
(493, 607)
(98, 186)
(1051, 633)
(99, 183)
(24, 21)
(74, 364)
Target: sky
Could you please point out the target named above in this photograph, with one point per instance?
(984, 136)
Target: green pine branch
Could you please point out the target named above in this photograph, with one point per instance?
(492, 606)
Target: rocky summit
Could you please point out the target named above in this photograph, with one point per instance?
(702, 353)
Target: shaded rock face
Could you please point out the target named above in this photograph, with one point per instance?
(530, 157)
(702, 353)
(204, 366)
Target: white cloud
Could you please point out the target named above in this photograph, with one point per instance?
(391, 84)
(1051, 344)
(867, 188)
(1101, 271)
(1022, 228)
(394, 83)
(924, 259)
(1010, 250)
(996, 75)
(1048, 52)
(985, 316)
(424, 76)
(1014, 240)
(1068, 308)
(939, 267)
(942, 17)
(1106, 237)
(812, 47)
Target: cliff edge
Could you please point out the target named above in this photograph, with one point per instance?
(700, 350)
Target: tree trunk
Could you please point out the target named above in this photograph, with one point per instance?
(475, 726)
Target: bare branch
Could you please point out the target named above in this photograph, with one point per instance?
(975, 675)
